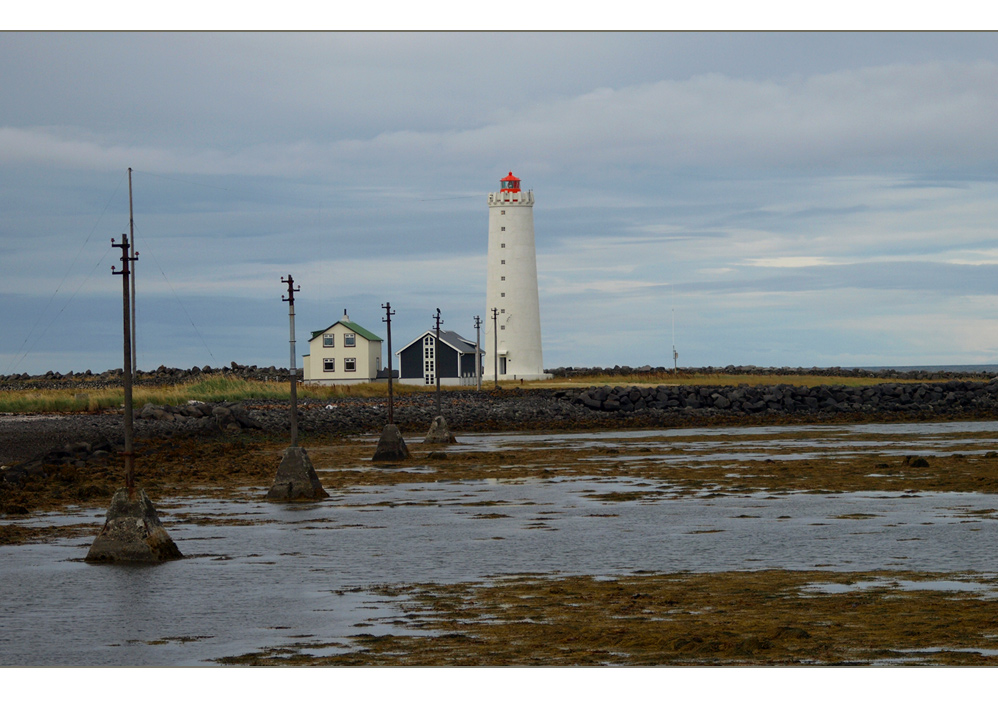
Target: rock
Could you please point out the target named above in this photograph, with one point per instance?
(132, 533)
(296, 478)
(242, 416)
(391, 445)
(439, 433)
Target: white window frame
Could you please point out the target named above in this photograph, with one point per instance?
(329, 364)
(329, 340)
(350, 364)
(349, 340)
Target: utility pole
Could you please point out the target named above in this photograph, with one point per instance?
(126, 372)
(133, 255)
(132, 531)
(495, 343)
(388, 319)
(436, 360)
(478, 357)
(290, 299)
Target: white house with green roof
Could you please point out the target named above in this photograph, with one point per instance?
(342, 353)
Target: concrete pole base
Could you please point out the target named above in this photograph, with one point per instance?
(296, 478)
(439, 433)
(132, 533)
(391, 445)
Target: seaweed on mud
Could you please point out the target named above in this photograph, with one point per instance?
(734, 618)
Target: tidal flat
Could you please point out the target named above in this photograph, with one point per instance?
(860, 544)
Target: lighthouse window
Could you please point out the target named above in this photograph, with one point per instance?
(349, 365)
(503, 245)
(502, 279)
(502, 311)
(349, 340)
(502, 211)
(502, 327)
(503, 294)
(328, 365)
(328, 340)
(502, 229)
(502, 261)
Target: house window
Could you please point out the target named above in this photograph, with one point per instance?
(349, 365)
(377, 363)
(349, 340)
(328, 365)
(328, 340)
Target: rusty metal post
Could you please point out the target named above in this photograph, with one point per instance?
(128, 453)
(290, 299)
(387, 306)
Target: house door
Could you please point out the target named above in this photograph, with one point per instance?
(429, 360)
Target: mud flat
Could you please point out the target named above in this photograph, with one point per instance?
(754, 545)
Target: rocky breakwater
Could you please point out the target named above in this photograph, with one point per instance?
(949, 399)
(162, 376)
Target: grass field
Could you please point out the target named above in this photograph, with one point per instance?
(227, 388)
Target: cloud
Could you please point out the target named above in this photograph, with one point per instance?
(933, 116)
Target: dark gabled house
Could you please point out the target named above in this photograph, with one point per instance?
(418, 359)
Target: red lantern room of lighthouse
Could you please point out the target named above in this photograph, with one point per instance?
(510, 184)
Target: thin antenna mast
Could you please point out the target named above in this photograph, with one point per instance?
(132, 256)
(675, 354)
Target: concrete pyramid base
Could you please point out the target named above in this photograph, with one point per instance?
(296, 478)
(391, 445)
(132, 533)
(439, 433)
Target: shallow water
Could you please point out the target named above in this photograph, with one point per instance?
(260, 574)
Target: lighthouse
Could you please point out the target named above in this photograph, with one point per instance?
(513, 314)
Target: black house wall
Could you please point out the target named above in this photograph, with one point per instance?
(468, 364)
(411, 360)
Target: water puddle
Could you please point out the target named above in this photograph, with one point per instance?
(302, 577)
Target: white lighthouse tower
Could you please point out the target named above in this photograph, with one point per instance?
(513, 315)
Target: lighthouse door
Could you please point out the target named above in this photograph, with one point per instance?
(502, 365)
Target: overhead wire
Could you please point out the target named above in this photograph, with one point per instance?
(177, 297)
(18, 356)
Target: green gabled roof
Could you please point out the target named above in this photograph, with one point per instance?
(355, 328)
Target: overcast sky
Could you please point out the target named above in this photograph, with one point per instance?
(814, 199)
